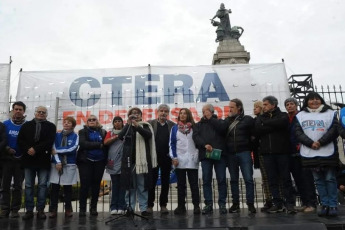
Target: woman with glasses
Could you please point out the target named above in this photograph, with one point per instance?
(115, 145)
(91, 162)
(64, 169)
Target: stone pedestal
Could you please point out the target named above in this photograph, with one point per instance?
(230, 51)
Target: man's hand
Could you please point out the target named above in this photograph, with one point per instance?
(31, 151)
(316, 145)
(11, 151)
(208, 148)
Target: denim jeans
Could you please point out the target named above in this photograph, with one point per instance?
(244, 162)
(43, 177)
(11, 199)
(193, 180)
(139, 192)
(207, 171)
(277, 166)
(304, 181)
(117, 193)
(326, 185)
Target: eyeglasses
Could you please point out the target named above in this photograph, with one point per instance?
(92, 119)
(41, 112)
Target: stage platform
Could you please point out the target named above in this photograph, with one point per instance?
(242, 220)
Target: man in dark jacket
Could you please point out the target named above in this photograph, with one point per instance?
(303, 177)
(239, 146)
(272, 129)
(161, 128)
(208, 135)
(3, 142)
(35, 141)
(12, 198)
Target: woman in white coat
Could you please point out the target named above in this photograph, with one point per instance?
(185, 159)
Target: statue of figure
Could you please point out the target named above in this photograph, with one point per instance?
(236, 32)
(224, 25)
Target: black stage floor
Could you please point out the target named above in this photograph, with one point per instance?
(243, 220)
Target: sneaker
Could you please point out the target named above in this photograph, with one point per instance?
(275, 209)
(300, 208)
(15, 214)
(222, 209)
(164, 210)
(180, 210)
(323, 211)
(235, 208)
(251, 208)
(93, 212)
(290, 209)
(196, 209)
(309, 209)
(82, 214)
(28, 215)
(113, 212)
(208, 209)
(149, 210)
(68, 213)
(145, 214)
(121, 212)
(52, 214)
(41, 215)
(4, 213)
(267, 205)
(333, 211)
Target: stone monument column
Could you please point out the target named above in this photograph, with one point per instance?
(230, 50)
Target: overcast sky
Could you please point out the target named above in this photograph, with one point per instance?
(84, 34)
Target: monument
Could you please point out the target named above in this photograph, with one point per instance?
(230, 50)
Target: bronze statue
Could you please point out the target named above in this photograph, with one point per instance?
(224, 27)
(224, 30)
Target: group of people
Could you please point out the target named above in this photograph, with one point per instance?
(302, 144)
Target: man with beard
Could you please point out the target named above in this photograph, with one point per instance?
(238, 141)
(161, 128)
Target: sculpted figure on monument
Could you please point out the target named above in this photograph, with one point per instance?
(236, 32)
(224, 27)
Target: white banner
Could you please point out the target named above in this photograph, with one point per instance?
(110, 92)
(5, 72)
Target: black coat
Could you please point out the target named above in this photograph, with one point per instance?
(273, 133)
(330, 136)
(128, 134)
(43, 147)
(212, 132)
(85, 144)
(239, 138)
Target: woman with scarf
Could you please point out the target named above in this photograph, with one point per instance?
(117, 205)
(185, 158)
(317, 131)
(139, 157)
(64, 169)
(91, 160)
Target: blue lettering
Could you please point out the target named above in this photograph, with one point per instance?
(219, 91)
(170, 89)
(141, 89)
(116, 87)
(74, 91)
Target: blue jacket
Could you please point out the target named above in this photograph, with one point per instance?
(70, 151)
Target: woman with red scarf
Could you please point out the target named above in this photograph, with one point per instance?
(185, 158)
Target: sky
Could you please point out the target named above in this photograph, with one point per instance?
(86, 34)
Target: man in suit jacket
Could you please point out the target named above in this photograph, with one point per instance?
(161, 128)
